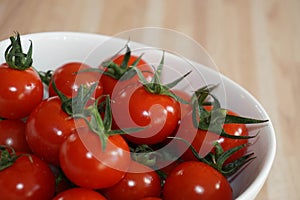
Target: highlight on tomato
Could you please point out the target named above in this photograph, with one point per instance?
(12, 133)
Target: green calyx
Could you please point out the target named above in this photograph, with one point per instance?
(46, 76)
(14, 55)
(146, 155)
(75, 105)
(8, 156)
(155, 86)
(217, 158)
(214, 119)
(119, 72)
(102, 127)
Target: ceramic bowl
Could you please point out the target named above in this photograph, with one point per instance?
(52, 49)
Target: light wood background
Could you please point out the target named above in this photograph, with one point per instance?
(254, 42)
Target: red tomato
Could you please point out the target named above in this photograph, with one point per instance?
(113, 86)
(159, 114)
(203, 141)
(79, 194)
(227, 143)
(47, 127)
(85, 163)
(12, 133)
(68, 81)
(29, 178)
(141, 181)
(195, 180)
(20, 92)
(151, 198)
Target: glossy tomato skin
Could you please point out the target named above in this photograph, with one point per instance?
(195, 180)
(140, 181)
(29, 178)
(47, 127)
(113, 86)
(85, 163)
(12, 133)
(20, 92)
(227, 143)
(159, 114)
(68, 80)
(79, 194)
(203, 141)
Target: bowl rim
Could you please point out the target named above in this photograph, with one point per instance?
(254, 188)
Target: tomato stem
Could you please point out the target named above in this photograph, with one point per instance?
(217, 159)
(8, 156)
(214, 119)
(75, 105)
(46, 76)
(155, 86)
(14, 55)
(145, 155)
(102, 127)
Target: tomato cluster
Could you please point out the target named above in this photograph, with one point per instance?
(113, 131)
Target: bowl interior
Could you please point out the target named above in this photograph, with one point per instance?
(51, 50)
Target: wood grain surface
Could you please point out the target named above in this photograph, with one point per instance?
(254, 42)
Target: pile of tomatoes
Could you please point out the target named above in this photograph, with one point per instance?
(112, 132)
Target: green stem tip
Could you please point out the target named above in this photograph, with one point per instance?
(14, 55)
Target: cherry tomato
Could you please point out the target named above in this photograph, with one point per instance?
(20, 92)
(141, 181)
(28, 178)
(12, 133)
(79, 194)
(68, 79)
(227, 143)
(151, 198)
(113, 86)
(47, 127)
(203, 141)
(159, 114)
(195, 180)
(86, 164)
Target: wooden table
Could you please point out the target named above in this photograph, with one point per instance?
(256, 43)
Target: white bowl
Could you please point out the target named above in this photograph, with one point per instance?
(52, 49)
